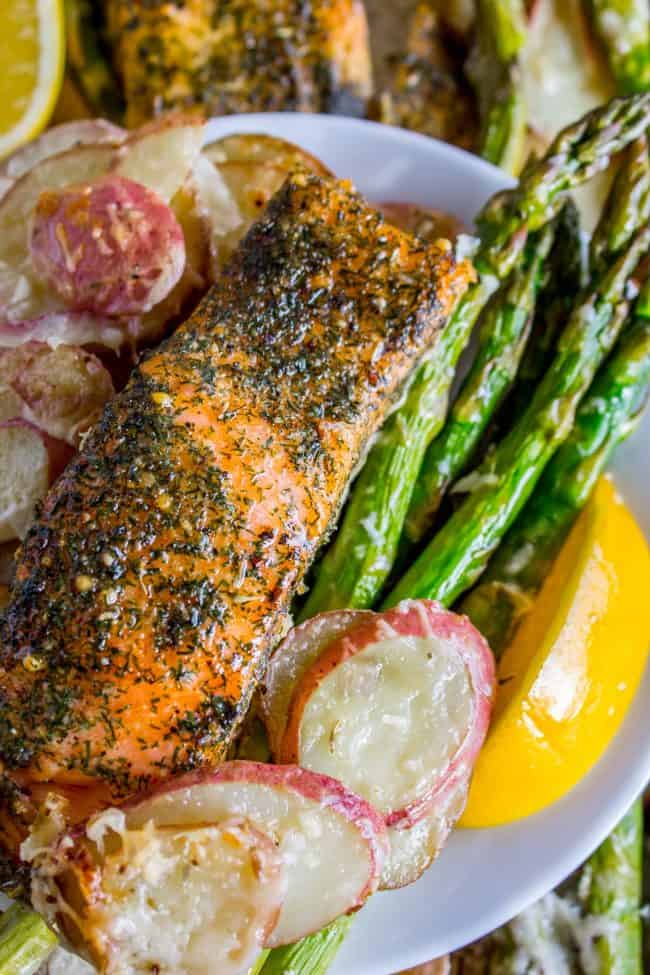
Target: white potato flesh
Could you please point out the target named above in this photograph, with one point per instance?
(161, 155)
(388, 720)
(24, 478)
(326, 857)
(292, 659)
(414, 848)
(182, 900)
(22, 295)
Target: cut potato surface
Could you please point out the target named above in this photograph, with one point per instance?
(161, 155)
(111, 247)
(394, 707)
(24, 477)
(332, 842)
(292, 659)
(182, 900)
(413, 849)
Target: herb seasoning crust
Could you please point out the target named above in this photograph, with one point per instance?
(225, 56)
(160, 571)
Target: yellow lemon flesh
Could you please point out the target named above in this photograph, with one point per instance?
(32, 38)
(567, 679)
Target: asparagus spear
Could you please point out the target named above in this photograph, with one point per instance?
(357, 564)
(608, 413)
(493, 68)
(457, 555)
(566, 276)
(312, 955)
(25, 941)
(623, 28)
(628, 197)
(613, 875)
(503, 334)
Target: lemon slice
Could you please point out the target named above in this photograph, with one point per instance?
(566, 681)
(32, 48)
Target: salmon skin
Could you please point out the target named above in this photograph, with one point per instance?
(225, 56)
(161, 569)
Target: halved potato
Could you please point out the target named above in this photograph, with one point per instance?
(255, 147)
(62, 391)
(189, 899)
(22, 295)
(161, 155)
(394, 706)
(116, 886)
(111, 247)
(61, 138)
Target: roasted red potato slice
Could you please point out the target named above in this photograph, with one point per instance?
(187, 898)
(394, 706)
(62, 391)
(112, 247)
(22, 295)
(258, 148)
(330, 843)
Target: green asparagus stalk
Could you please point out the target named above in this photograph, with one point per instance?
(458, 554)
(623, 28)
(613, 875)
(25, 941)
(609, 412)
(627, 198)
(493, 68)
(503, 334)
(566, 276)
(312, 955)
(356, 565)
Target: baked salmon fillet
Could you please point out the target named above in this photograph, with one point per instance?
(225, 56)
(160, 571)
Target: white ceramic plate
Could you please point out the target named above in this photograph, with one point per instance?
(484, 877)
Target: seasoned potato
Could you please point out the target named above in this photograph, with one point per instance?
(112, 247)
(61, 391)
(249, 147)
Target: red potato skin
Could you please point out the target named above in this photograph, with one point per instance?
(111, 248)
(312, 785)
(409, 618)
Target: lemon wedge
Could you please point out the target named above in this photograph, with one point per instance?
(32, 37)
(567, 679)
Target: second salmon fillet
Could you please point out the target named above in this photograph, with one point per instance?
(162, 567)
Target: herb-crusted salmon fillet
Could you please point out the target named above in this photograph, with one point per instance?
(161, 569)
(227, 56)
